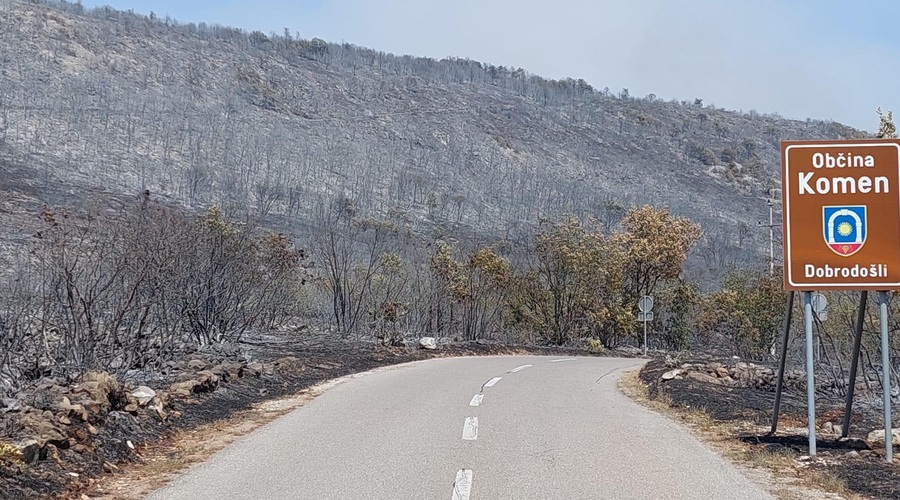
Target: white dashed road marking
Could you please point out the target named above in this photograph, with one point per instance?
(561, 360)
(492, 382)
(462, 487)
(520, 368)
(470, 429)
(476, 400)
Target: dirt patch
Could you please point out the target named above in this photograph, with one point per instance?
(739, 420)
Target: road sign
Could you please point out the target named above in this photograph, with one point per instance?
(645, 304)
(841, 214)
(645, 316)
(819, 302)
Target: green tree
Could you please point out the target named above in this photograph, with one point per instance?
(656, 245)
(572, 293)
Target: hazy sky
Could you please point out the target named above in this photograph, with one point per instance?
(824, 59)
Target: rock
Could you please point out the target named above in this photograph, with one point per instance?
(852, 454)
(727, 380)
(208, 382)
(445, 341)
(143, 394)
(228, 371)
(877, 437)
(703, 377)
(428, 343)
(289, 364)
(8, 405)
(828, 428)
(101, 385)
(838, 429)
(184, 388)
(64, 420)
(158, 405)
(254, 369)
(93, 407)
(197, 364)
(68, 408)
(30, 451)
(669, 375)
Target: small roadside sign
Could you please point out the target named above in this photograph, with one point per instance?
(819, 303)
(645, 304)
(841, 214)
(645, 316)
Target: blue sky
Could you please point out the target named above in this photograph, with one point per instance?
(825, 59)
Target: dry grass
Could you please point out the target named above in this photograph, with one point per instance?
(11, 453)
(831, 484)
(780, 471)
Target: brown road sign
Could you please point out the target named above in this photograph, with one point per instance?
(841, 214)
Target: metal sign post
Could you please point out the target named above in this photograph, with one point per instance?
(645, 305)
(886, 378)
(841, 204)
(810, 376)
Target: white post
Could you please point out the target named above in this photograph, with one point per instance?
(810, 377)
(645, 335)
(886, 378)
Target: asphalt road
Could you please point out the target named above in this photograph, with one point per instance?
(551, 430)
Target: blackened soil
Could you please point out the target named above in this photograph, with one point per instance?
(864, 471)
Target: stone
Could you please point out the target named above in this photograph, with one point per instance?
(727, 380)
(197, 364)
(703, 377)
(877, 437)
(838, 429)
(64, 420)
(184, 388)
(254, 369)
(143, 394)
(289, 364)
(828, 428)
(100, 385)
(66, 406)
(208, 381)
(428, 343)
(9, 404)
(158, 406)
(227, 371)
(669, 375)
(93, 407)
(31, 450)
(852, 454)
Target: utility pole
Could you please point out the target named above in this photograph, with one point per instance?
(771, 225)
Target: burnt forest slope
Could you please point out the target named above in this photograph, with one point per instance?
(273, 125)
